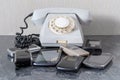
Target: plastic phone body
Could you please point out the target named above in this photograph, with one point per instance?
(98, 62)
(33, 48)
(47, 57)
(67, 33)
(93, 47)
(70, 63)
(22, 58)
(73, 50)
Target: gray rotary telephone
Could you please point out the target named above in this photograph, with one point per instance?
(61, 25)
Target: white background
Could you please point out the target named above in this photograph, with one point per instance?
(106, 14)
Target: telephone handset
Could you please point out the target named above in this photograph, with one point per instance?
(61, 25)
(40, 15)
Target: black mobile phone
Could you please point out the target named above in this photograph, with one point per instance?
(70, 63)
(99, 62)
(22, 58)
(47, 57)
(93, 47)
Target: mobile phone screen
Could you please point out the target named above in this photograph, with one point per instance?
(48, 56)
(98, 59)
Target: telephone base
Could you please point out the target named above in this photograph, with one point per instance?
(49, 38)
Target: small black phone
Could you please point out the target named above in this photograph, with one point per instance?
(70, 63)
(93, 47)
(22, 58)
(98, 62)
(47, 57)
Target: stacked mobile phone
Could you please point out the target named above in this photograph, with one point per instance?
(90, 55)
(65, 58)
(34, 56)
(73, 59)
(22, 56)
(97, 59)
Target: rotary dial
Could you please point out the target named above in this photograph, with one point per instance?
(61, 24)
